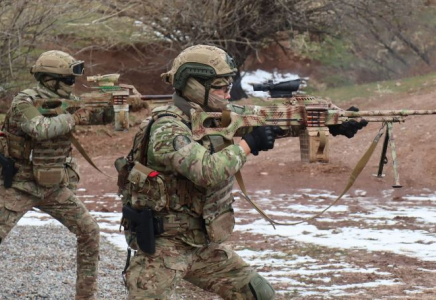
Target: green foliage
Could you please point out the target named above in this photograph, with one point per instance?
(333, 54)
(330, 52)
(379, 89)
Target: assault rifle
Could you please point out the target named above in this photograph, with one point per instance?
(306, 117)
(117, 98)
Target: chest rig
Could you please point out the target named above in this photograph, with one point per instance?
(195, 214)
(43, 161)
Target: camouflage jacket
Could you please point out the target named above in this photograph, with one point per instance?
(37, 127)
(172, 149)
(25, 123)
(200, 174)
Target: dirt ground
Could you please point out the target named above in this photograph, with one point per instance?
(280, 172)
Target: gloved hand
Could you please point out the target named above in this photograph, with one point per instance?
(349, 128)
(81, 116)
(262, 138)
(137, 104)
(102, 116)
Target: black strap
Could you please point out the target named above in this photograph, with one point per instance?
(144, 144)
(129, 254)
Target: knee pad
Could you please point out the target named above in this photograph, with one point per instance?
(261, 288)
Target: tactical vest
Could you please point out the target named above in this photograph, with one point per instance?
(42, 161)
(194, 214)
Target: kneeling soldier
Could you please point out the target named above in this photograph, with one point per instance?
(178, 192)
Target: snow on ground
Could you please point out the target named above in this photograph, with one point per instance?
(281, 269)
(261, 76)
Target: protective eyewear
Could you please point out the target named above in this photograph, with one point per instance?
(78, 68)
(225, 88)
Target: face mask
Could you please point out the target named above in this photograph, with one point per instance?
(194, 91)
(59, 87)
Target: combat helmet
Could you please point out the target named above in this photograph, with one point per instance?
(204, 63)
(57, 64)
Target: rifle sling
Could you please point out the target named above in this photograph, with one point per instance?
(79, 147)
(85, 155)
(225, 121)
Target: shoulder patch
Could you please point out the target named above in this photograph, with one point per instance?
(181, 141)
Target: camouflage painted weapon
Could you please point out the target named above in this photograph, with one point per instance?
(108, 94)
(306, 117)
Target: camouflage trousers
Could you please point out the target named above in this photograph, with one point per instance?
(214, 268)
(62, 205)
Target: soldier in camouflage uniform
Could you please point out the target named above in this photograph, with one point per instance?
(47, 175)
(187, 185)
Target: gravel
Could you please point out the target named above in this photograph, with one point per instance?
(39, 262)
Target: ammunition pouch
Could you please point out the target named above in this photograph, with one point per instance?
(220, 228)
(49, 159)
(147, 188)
(122, 167)
(73, 175)
(19, 147)
(164, 225)
(176, 223)
(314, 144)
(218, 213)
(50, 177)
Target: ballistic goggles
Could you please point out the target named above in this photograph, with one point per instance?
(77, 68)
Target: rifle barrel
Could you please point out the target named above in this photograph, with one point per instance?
(386, 113)
(156, 97)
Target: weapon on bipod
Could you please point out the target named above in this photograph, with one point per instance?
(116, 98)
(306, 117)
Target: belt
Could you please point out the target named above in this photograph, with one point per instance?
(179, 222)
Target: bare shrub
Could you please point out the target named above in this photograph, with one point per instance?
(24, 26)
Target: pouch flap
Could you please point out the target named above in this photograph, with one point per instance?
(138, 175)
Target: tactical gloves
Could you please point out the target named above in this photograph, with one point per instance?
(349, 128)
(262, 138)
(137, 104)
(81, 116)
(94, 116)
(102, 116)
